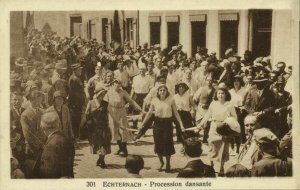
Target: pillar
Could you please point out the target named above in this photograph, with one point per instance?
(144, 27)
(185, 35)
(163, 32)
(282, 37)
(243, 32)
(213, 32)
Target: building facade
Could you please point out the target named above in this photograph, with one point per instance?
(264, 32)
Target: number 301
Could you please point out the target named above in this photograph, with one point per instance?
(90, 184)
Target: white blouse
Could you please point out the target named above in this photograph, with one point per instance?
(162, 108)
(182, 102)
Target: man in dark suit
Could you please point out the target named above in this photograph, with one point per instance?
(76, 98)
(58, 155)
(271, 164)
(261, 100)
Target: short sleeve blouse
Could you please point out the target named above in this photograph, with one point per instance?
(163, 108)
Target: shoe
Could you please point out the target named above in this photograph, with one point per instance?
(221, 174)
(160, 169)
(103, 165)
(120, 148)
(98, 162)
(168, 169)
(124, 152)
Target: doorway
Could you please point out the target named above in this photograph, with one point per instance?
(229, 36)
(173, 34)
(261, 33)
(154, 33)
(198, 35)
(74, 24)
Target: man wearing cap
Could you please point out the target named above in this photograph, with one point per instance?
(271, 164)
(260, 99)
(76, 99)
(93, 81)
(150, 72)
(60, 71)
(281, 70)
(57, 158)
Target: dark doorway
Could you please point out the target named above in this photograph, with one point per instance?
(154, 33)
(229, 36)
(173, 34)
(198, 35)
(73, 20)
(261, 36)
(104, 29)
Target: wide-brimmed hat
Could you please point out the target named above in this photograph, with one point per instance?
(229, 127)
(76, 66)
(21, 62)
(265, 137)
(260, 79)
(61, 65)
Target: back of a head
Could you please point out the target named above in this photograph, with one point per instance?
(192, 147)
(237, 170)
(134, 163)
(49, 121)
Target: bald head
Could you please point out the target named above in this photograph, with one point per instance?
(49, 122)
(250, 124)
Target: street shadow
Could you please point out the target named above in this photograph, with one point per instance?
(115, 166)
(174, 170)
(142, 143)
(145, 156)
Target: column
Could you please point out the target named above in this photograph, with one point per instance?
(243, 32)
(185, 35)
(163, 32)
(98, 29)
(213, 32)
(144, 27)
(282, 37)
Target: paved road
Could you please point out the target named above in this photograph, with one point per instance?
(85, 162)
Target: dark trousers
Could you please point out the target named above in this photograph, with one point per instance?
(76, 120)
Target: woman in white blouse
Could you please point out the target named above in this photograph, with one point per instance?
(186, 109)
(163, 107)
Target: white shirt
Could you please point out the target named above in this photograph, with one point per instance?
(237, 96)
(247, 161)
(163, 109)
(142, 85)
(182, 102)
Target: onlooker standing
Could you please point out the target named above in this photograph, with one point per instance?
(58, 155)
(76, 98)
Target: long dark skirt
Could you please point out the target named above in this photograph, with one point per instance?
(163, 136)
(188, 122)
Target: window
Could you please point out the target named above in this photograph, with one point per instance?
(74, 25)
(261, 32)
(129, 30)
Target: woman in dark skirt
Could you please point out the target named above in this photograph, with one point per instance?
(186, 109)
(97, 120)
(163, 107)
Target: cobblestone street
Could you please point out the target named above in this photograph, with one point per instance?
(85, 162)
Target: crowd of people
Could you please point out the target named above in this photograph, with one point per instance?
(68, 89)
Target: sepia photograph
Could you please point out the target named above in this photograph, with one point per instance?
(181, 98)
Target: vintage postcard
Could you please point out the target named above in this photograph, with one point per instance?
(149, 94)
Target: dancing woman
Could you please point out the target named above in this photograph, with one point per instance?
(163, 107)
(218, 111)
